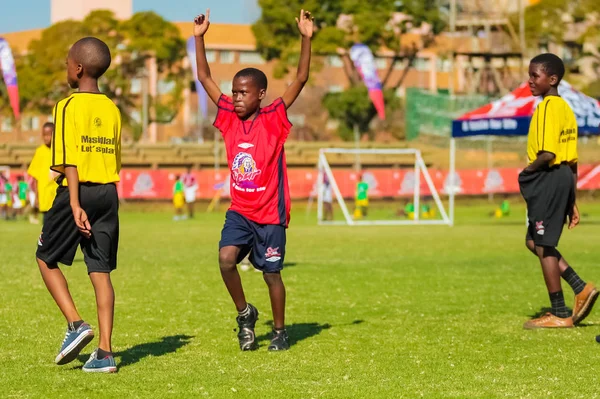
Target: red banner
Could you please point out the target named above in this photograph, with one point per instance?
(158, 184)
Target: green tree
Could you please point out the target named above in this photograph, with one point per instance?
(42, 72)
(340, 24)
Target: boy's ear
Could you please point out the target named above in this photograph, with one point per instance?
(262, 93)
(553, 80)
(79, 70)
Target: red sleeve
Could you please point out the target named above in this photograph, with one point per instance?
(277, 114)
(225, 114)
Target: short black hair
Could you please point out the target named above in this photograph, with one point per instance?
(551, 64)
(48, 124)
(93, 54)
(257, 76)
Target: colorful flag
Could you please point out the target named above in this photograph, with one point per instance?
(363, 60)
(7, 64)
(202, 98)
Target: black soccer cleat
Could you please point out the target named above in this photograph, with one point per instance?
(246, 329)
(280, 341)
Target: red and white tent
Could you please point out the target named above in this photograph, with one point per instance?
(511, 114)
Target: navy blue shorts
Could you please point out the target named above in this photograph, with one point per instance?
(264, 242)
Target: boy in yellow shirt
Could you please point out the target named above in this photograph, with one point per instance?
(86, 153)
(548, 185)
(43, 186)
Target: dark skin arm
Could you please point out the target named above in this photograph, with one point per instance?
(306, 26)
(201, 24)
(543, 159)
(34, 188)
(574, 215)
(81, 218)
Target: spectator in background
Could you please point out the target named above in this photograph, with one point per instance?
(20, 195)
(190, 186)
(5, 192)
(178, 199)
(43, 185)
(327, 198)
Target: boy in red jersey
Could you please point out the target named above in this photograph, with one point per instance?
(260, 202)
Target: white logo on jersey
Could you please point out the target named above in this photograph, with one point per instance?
(245, 146)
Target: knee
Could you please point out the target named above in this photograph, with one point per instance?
(530, 246)
(227, 260)
(273, 279)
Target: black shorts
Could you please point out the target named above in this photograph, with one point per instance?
(550, 196)
(60, 237)
(264, 242)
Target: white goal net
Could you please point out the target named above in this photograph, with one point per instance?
(413, 199)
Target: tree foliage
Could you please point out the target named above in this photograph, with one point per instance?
(340, 24)
(42, 72)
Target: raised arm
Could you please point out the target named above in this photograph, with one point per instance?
(305, 25)
(201, 24)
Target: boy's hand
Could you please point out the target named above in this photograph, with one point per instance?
(82, 221)
(574, 217)
(305, 24)
(201, 24)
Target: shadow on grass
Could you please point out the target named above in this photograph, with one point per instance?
(301, 331)
(136, 353)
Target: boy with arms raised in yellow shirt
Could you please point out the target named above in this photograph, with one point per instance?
(43, 186)
(86, 152)
(548, 185)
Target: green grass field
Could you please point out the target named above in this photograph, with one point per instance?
(373, 312)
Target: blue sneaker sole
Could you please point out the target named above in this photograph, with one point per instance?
(71, 352)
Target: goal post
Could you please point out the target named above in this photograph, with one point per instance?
(420, 171)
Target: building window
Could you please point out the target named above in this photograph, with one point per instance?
(335, 89)
(380, 63)
(136, 116)
(227, 57)
(226, 86)
(136, 85)
(211, 55)
(335, 61)
(443, 65)
(297, 120)
(6, 125)
(25, 123)
(251, 57)
(165, 86)
(422, 64)
(332, 124)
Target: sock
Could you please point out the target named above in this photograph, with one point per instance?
(559, 309)
(573, 279)
(101, 354)
(75, 325)
(244, 312)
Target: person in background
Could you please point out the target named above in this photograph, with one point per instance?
(178, 199)
(190, 186)
(362, 198)
(43, 186)
(327, 198)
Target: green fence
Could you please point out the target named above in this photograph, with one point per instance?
(432, 113)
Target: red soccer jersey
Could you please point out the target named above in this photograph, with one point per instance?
(259, 184)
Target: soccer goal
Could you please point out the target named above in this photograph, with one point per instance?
(402, 186)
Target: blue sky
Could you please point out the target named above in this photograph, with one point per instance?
(17, 15)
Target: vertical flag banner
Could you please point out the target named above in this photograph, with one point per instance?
(202, 98)
(363, 60)
(7, 64)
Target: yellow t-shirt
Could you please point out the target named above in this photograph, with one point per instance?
(39, 169)
(87, 135)
(553, 128)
